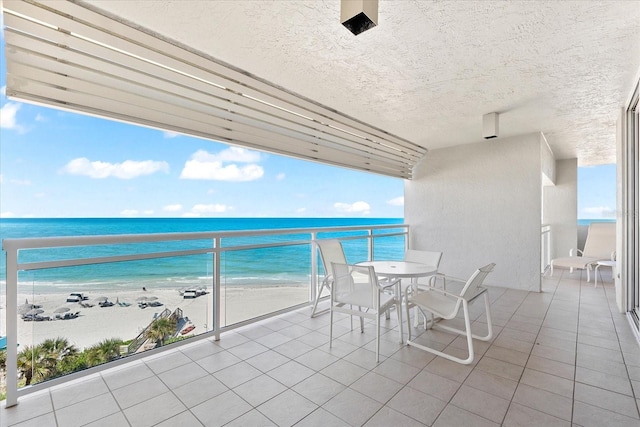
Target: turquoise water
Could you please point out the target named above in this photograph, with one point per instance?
(283, 265)
(589, 221)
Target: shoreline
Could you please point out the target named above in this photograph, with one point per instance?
(97, 323)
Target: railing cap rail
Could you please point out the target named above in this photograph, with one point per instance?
(54, 242)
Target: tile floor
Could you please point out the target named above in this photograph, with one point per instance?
(559, 358)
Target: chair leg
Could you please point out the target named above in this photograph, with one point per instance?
(318, 296)
(467, 332)
(406, 305)
(378, 338)
(400, 326)
(331, 326)
(588, 273)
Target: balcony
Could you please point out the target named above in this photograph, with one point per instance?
(105, 298)
(560, 357)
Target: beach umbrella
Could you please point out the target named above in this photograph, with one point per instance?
(101, 299)
(141, 299)
(152, 298)
(24, 308)
(34, 312)
(61, 310)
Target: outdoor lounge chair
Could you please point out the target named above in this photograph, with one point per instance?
(600, 245)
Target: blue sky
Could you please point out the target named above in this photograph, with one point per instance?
(60, 164)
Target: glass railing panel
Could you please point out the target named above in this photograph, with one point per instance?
(94, 314)
(256, 282)
(389, 248)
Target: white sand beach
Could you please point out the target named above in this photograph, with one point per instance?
(98, 323)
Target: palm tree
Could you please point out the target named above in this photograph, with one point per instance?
(104, 351)
(56, 350)
(59, 348)
(32, 364)
(160, 328)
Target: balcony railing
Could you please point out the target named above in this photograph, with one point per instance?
(111, 299)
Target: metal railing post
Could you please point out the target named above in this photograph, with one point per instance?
(12, 327)
(216, 288)
(314, 268)
(370, 246)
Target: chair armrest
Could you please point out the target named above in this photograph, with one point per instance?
(474, 294)
(387, 282)
(578, 252)
(445, 293)
(613, 256)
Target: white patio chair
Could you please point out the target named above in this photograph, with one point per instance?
(357, 286)
(600, 245)
(330, 251)
(447, 304)
(427, 258)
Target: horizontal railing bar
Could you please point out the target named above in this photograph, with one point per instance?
(29, 266)
(107, 260)
(51, 242)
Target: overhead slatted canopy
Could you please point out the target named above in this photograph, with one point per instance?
(64, 55)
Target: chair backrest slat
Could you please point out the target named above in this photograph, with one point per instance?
(354, 283)
(601, 240)
(474, 283)
(423, 257)
(331, 251)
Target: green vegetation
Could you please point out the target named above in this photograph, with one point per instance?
(160, 329)
(56, 357)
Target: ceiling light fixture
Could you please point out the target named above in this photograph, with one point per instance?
(490, 125)
(359, 15)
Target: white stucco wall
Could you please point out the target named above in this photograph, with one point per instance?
(481, 203)
(560, 208)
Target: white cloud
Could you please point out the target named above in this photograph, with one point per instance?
(3, 90)
(41, 118)
(190, 215)
(125, 170)
(173, 208)
(301, 210)
(211, 208)
(148, 212)
(8, 114)
(280, 176)
(169, 134)
(204, 165)
(211, 191)
(357, 207)
(129, 212)
(397, 201)
(7, 214)
(20, 181)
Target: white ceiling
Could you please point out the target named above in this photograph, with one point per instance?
(430, 69)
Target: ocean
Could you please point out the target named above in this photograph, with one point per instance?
(288, 265)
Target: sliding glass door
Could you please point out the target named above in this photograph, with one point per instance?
(631, 261)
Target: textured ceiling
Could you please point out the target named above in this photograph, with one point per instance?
(430, 69)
